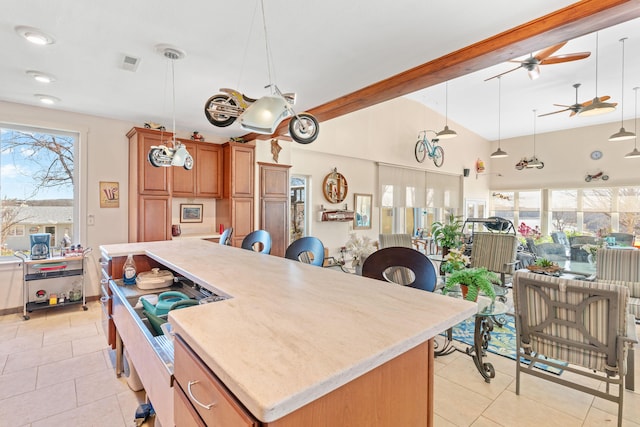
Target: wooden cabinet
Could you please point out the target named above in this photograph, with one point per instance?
(205, 179)
(209, 168)
(236, 208)
(274, 205)
(200, 398)
(149, 188)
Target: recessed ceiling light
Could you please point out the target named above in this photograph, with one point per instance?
(170, 52)
(35, 35)
(40, 76)
(47, 99)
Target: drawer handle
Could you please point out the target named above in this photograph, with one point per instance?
(189, 384)
(104, 299)
(104, 281)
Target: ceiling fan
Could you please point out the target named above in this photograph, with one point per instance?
(544, 57)
(577, 107)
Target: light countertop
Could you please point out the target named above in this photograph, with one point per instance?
(292, 332)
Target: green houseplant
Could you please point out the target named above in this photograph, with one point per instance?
(474, 280)
(449, 234)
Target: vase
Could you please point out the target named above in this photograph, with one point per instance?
(592, 259)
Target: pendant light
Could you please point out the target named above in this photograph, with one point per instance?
(534, 163)
(597, 106)
(498, 154)
(635, 153)
(622, 134)
(446, 133)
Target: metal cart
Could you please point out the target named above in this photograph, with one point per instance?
(71, 265)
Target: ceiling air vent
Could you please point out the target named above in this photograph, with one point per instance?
(130, 63)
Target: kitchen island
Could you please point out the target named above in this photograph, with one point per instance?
(302, 345)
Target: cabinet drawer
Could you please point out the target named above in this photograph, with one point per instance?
(185, 414)
(202, 389)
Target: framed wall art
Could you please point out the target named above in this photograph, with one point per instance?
(362, 216)
(109, 194)
(190, 212)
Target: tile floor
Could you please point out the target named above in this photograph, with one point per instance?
(55, 370)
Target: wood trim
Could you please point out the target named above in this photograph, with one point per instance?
(573, 21)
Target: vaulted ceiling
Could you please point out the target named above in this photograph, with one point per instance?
(337, 56)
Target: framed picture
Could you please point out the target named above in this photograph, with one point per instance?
(190, 213)
(362, 217)
(109, 194)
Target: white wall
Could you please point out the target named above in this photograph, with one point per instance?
(355, 143)
(566, 157)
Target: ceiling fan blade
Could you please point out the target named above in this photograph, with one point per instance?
(502, 74)
(555, 112)
(562, 105)
(544, 53)
(565, 58)
(602, 99)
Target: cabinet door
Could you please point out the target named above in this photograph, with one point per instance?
(209, 170)
(151, 180)
(154, 218)
(184, 181)
(241, 219)
(239, 167)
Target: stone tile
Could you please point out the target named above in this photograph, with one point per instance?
(8, 331)
(18, 382)
(97, 386)
(70, 333)
(36, 357)
(599, 418)
(38, 404)
(102, 413)
(568, 400)
(524, 412)
(42, 324)
(463, 372)
(631, 406)
(89, 345)
(438, 421)
(485, 422)
(21, 343)
(129, 401)
(69, 369)
(92, 315)
(447, 402)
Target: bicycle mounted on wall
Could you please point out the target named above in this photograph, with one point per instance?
(431, 148)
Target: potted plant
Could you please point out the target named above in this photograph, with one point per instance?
(472, 281)
(543, 265)
(455, 260)
(448, 235)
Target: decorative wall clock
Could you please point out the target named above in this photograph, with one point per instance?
(596, 154)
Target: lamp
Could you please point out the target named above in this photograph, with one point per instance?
(446, 133)
(499, 153)
(534, 162)
(635, 153)
(597, 106)
(622, 134)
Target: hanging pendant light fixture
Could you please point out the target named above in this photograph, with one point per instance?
(635, 153)
(622, 134)
(446, 133)
(534, 162)
(597, 106)
(499, 153)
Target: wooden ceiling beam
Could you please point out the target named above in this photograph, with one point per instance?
(568, 23)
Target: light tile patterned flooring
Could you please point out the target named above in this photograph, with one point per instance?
(55, 370)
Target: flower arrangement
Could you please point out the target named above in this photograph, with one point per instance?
(359, 247)
(593, 249)
(526, 231)
(455, 260)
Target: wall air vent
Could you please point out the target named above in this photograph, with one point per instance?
(130, 63)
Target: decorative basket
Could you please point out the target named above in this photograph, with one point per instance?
(548, 270)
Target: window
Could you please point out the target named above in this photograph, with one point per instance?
(37, 185)
(564, 208)
(411, 199)
(596, 205)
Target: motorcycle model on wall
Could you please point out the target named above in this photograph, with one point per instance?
(261, 115)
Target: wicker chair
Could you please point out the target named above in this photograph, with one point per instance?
(496, 252)
(585, 324)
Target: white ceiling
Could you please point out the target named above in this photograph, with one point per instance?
(320, 49)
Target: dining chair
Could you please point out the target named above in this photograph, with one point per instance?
(225, 237)
(300, 249)
(496, 252)
(621, 266)
(396, 239)
(258, 241)
(578, 326)
(404, 266)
